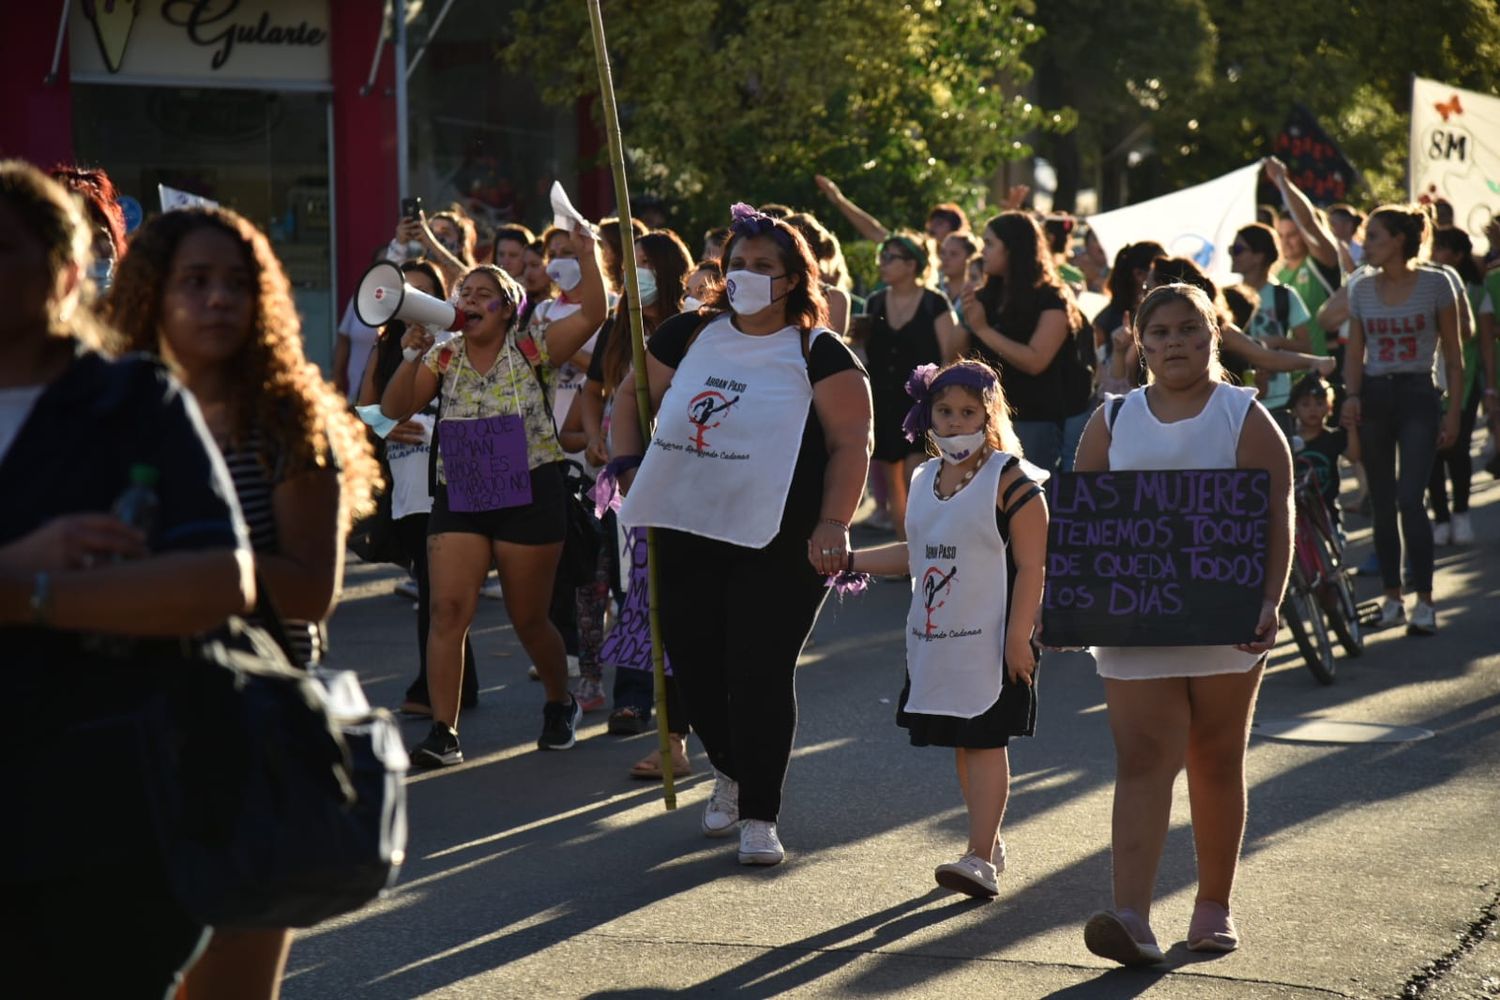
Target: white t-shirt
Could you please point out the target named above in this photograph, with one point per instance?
(15, 407)
(361, 343)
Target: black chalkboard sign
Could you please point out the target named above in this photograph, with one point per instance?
(1155, 558)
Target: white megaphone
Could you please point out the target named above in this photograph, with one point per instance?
(384, 295)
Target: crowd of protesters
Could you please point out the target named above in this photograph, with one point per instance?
(786, 399)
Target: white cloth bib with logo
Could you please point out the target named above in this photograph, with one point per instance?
(727, 437)
(955, 630)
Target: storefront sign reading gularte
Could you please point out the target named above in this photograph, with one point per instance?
(208, 42)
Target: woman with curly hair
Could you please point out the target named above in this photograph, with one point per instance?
(203, 289)
(499, 486)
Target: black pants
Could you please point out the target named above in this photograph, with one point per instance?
(92, 932)
(1457, 464)
(1400, 413)
(734, 621)
(412, 531)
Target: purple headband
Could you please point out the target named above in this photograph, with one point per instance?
(746, 220)
(925, 383)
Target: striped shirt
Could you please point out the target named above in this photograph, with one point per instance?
(254, 485)
(1404, 337)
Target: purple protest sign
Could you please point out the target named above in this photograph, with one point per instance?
(485, 463)
(1156, 558)
(628, 645)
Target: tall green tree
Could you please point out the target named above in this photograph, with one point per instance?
(1195, 88)
(904, 104)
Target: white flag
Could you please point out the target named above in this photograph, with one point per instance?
(173, 199)
(1455, 153)
(1197, 222)
(564, 215)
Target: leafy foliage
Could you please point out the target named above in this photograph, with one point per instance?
(905, 104)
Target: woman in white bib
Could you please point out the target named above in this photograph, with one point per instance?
(1176, 705)
(757, 463)
(976, 528)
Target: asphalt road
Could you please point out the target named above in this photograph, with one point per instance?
(1370, 870)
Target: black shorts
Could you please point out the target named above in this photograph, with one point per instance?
(544, 521)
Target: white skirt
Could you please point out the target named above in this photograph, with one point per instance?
(1144, 663)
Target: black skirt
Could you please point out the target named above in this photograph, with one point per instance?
(1012, 714)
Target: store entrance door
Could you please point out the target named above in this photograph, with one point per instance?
(265, 154)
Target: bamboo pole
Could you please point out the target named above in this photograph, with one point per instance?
(642, 388)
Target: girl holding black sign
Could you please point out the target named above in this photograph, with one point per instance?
(1176, 705)
(976, 544)
(499, 492)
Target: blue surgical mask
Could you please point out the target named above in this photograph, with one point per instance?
(645, 279)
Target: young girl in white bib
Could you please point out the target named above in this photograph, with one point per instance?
(976, 527)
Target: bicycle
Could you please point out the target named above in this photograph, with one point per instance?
(1320, 596)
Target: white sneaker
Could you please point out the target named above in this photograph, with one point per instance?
(408, 588)
(1423, 620)
(1442, 533)
(1392, 613)
(491, 589)
(759, 844)
(723, 809)
(1463, 529)
(971, 875)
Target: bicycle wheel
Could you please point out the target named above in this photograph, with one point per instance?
(1304, 619)
(1339, 602)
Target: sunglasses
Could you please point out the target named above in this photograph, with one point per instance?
(1238, 248)
(890, 256)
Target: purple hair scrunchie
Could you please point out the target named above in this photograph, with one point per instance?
(606, 491)
(847, 584)
(747, 220)
(927, 381)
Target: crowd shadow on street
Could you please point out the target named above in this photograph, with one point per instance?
(511, 857)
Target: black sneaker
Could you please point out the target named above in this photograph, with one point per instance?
(559, 724)
(439, 749)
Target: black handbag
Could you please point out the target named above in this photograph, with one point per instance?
(277, 803)
(374, 537)
(580, 555)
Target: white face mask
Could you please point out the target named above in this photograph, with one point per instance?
(749, 292)
(690, 304)
(566, 272)
(645, 280)
(958, 447)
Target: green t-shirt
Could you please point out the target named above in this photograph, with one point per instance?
(1311, 285)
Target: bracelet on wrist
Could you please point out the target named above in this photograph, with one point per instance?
(849, 562)
(834, 520)
(411, 353)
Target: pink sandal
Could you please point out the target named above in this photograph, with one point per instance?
(1212, 928)
(1121, 936)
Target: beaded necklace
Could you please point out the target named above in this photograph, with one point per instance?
(984, 457)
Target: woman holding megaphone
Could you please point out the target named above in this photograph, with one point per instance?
(498, 490)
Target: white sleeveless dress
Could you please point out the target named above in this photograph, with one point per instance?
(1209, 440)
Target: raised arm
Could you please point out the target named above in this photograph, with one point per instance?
(1321, 244)
(863, 222)
(566, 336)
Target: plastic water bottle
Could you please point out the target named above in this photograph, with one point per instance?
(138, 505)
